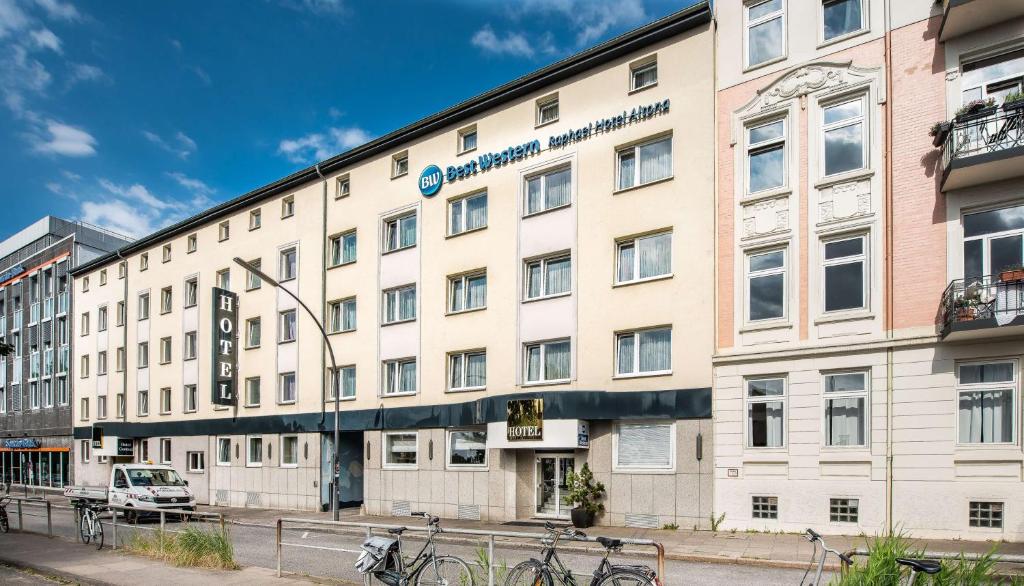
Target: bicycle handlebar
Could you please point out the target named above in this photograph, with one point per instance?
(430, 520)
(812, 535)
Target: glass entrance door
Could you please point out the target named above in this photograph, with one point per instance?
(552, 471)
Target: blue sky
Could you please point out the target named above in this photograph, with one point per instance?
(132, 115)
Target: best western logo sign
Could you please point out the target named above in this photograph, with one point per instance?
(225, 350)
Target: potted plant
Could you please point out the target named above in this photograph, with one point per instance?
(976, 109)
(965, 308)
(1012, 273)
(939, 132)
(1013, 101)
(585, 494)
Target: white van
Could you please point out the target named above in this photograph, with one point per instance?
(140, 485)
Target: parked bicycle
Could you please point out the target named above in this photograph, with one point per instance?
(5, 524)
(89, 526)
(534, 572)
(382, 558)
(817, 541)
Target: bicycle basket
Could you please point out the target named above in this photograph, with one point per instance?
(375, 556)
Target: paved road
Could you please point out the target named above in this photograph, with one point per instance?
(254, 546)
(9, 575)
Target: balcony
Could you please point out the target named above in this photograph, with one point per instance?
(33, 317)
(33, 365)
(63, 359)
(48, 362)
(62, 302)
(17, 320)
(960, 17)
(3, 325)
(984, 147)
(48, 308)
(983, 307)
(16, 371)
(3, 372)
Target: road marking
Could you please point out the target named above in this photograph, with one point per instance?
(305, 535)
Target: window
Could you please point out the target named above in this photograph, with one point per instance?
(766, 156)
(192, 243)
(994, 77)
(85, 323)
(191, 346)
(548, 362)
(286, 325)
(223, 451)
(846, 396)
(85, 446)
(165, 400)
(143, 450)
(167, 253)
(993, 241)
(466, 292)
(399, 376)
(399, 165)
(255, 219)
(143, 355)
(165, 450)
(252, 280)
(286, 387)
(766, 401)
(548, 276)
(643, 75)
(252, 391)
(843, 510)
(467, 213)
(399, 304)
(986, 395)
(120, 314)
(467, 448)
(196, 462)
(103, 277)
(143, 401)
(84, 409)
(343, 248)
(288, 206)
(84, 366)
(467, 371)
(547, 110)
(343, 187)
(844, 136)
(347, 381)
(223, 279)
(986, 514)
(467, 139)
(143, 306)
(143, 263)
(841, 18)
(101, 407)
(400, 450)
(644, 352)
(254, 451)
(766, 34)
(165, 350)
(191, 399)
(845, 274)
(122, 269)
(289, 268)
(252, 332)
(548, 191)
(765, 507)
(289, 451)
(342, 315)
(224, 231)
(85, 284)
(645, 163)
(644, 257)
(644, 446)
(400, 232)
(191, 292)
(101, 319)
(766, 285)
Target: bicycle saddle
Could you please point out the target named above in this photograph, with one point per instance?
(926, 566)
(397, 530)
(610, 543)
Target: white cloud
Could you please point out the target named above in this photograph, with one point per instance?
(120, 217)
(59, 10)
(511, 44)
(70, 175)
(139, 193)
(317, 146)
(81, 72)
(176, 44)
(44, 38)
(65, 140)
(334, 113)
(134, 209)
(201, 74)
(319, 7)
(12, 18)
(196, 186)
(181, 146)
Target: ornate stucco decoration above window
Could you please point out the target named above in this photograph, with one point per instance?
(844, 201)
(765, 217)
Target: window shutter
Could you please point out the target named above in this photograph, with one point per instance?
(645, 445)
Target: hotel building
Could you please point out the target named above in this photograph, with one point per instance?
(512, 288)
(868, 362)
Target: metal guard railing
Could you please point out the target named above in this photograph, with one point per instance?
(984, 133)
(982, 297)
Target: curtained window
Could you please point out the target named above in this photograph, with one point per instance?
(467, 292)
(287, 331)
(645, 257)
(343, 315)
(286, 390)
(548, 276)
(548, 191)
(399, 304)
(252, 391)
(400, 232)
(548, 361)
(467, 213)
(644, 75)
(399, 376)
(986, 397)
(644, 352)
(645, 162)
(766, 405)
(343, 248)
(846, 397)
(400, 449)
(467, 370)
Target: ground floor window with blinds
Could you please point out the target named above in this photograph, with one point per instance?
(644, 352)
(986, 395)
(467, 448)
(400, 450)
(846, 401)
(766, 408)
(644, 446)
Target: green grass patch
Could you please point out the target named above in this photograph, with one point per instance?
(881, 569)
(193, 548)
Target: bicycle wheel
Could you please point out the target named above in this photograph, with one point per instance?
(620, 577)
(444, 570)
(97, 533)
(84, 532)
(529, 573)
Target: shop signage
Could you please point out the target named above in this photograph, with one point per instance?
(583, 434)
(125, 446)
(615, 122)
(24, 443)
(525, 420)
(430, 181)
(12, 272)
(225, 349)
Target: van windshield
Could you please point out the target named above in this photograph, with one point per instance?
(145, 477)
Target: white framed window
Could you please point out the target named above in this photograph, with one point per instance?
(841, 18)
(143, 265)
(549, 190)
(165, 350)
(766, 412)
(644, 163)
(467, 448)
(286, 391)
(85, 449)
(343, 248)
(286, 326)
(85, 284)
(347, 380)
(467, 139)
(547, 110)
(84, 366)
(547, 362)
(191, 292)
(122, 269)
(83, 409)
(143, 358)
(253, 451)
(399, 304)
(846, 409)
(993, 241)
(101, 366)
(643, 352)
(288, 206)
(165, 401)
(252, 280)
(644, 446)
(223, 279)
(398, 376)
(766, 285)
(467, 371)
(766, 31)
(223, 451)
(101, 319)
(196, 462)
(253, 332)
(547, 277)
(224, 231)
(143, 306)
(101, 407)
(84, 326)
(342, 187)
(166, 296)
(844, 130)
(400, 449)
(165, 450)
(468, 213)
(986, 402)
(255, 219)
(342, 315)
(993, 76)
(103, 277)
(192, 243)
(845, 274)
(467, 292)
(643, 75)
(143, 402)
(399, 165)
(289, 267)
(399, 232)
(643, 257)
(191, 346)
(167, 253)
(252, 391)
(766, 156)
(191, 399)
(289, 451)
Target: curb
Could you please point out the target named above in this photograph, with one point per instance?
(53, 572)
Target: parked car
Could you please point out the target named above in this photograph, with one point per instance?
(144, 486)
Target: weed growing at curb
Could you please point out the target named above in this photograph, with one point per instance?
(191, 548)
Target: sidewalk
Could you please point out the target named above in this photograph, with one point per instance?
(86, 565)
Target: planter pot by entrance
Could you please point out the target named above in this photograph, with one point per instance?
(1014, 275)
(582, 518)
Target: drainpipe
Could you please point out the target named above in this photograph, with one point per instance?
(889, 266)
(323, 300)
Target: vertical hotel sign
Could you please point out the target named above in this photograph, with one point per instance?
(225, 348)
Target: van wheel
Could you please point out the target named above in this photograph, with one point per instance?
(131, 517)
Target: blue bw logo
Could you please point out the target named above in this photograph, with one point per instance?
(430, 181)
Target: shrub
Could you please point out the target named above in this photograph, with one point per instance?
(191, 548)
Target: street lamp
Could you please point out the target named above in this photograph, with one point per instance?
(334, 373)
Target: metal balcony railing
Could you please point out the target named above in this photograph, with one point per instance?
(985, 301)
(62, 302)
(63, 359)
(17, 320)
(3, 372)
(33, 365)
(48, 307)
(16, 371)
(48, 362)
(34, 312)
(991, 130)
(3, 325)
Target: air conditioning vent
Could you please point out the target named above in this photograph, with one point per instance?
(469, 512)
(641, 521)
(253, 499)
(400, 509)
(223, 499)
